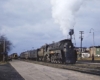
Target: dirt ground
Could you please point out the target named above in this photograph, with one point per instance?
(7, 72)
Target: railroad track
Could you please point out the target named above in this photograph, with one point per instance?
(85, 67)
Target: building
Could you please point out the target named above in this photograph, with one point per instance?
(78, 49)
(95, 50)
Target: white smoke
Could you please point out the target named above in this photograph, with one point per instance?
(63, 12)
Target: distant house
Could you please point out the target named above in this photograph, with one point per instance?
(95, 50)
(84, 50)
(78, 49)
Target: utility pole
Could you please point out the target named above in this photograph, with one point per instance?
(93, 45)
(4, 50)
(81, 37)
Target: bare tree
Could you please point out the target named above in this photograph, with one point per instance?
(5, 46)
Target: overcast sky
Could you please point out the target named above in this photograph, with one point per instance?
(29, 23)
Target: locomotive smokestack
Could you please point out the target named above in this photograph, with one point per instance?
(71, 32)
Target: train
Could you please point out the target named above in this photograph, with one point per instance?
(14, 56)
(57, 52)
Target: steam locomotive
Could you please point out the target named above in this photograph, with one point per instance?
(57, 52)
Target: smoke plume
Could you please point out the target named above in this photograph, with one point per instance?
(63, 12)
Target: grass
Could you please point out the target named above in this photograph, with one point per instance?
(1, 62)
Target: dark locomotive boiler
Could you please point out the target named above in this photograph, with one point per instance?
(62, 52)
